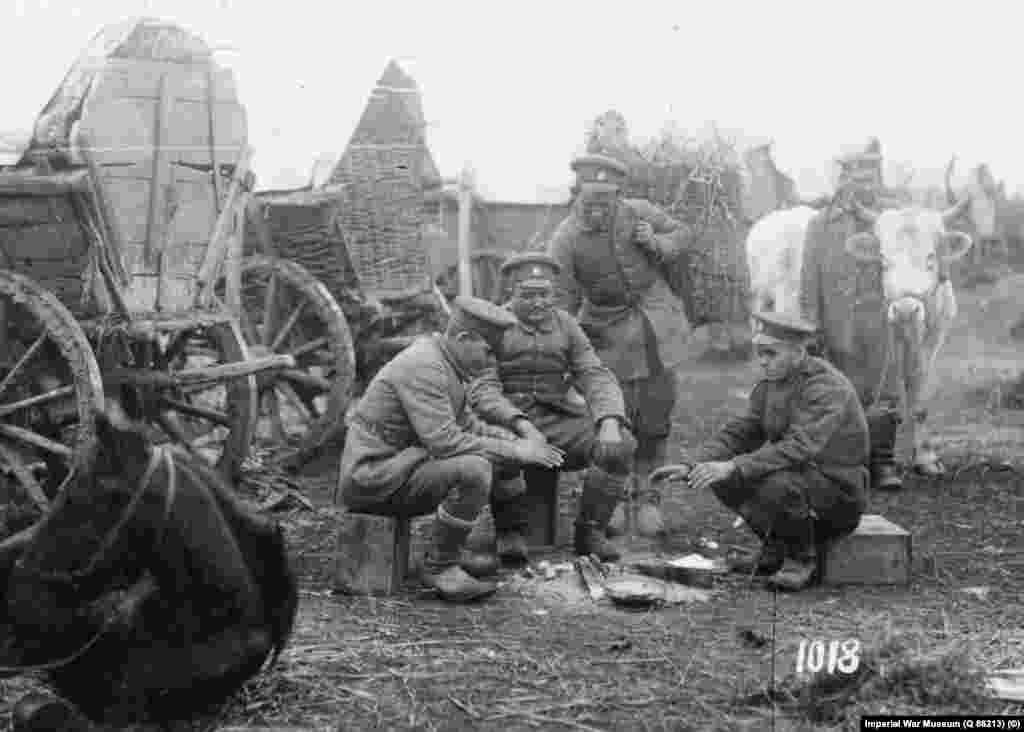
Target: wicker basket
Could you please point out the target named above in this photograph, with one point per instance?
(382, 215)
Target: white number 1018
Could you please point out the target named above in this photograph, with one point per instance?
(842, 657)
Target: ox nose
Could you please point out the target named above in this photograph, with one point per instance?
(905, 308)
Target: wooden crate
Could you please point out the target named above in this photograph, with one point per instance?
(372, 554)
(878, 552)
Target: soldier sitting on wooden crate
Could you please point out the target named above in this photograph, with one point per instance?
(794, 467)
(414, 447)
(544, 354)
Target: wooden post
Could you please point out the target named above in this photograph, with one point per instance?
(465, 231)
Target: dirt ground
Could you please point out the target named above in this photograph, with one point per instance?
(542, 655)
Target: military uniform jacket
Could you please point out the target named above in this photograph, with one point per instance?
(813, 418)
(844, 296)
(611, 283)
(536, 367)
(414, 410)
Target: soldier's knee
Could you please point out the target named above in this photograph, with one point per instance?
(474, 473)
(780, 488)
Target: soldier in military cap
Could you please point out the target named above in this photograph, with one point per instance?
(845, 298)
(794, 467)
(541, 359)
(614, 253)
(414, 447)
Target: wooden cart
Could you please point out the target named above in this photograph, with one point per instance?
(77, 328)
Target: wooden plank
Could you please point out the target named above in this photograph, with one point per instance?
(227, 223)
(21, 185)
(878, 552)
(214, 139)
(121, 130)
(178, 294)
(180, 260)
(121, 78)
(161, 176)
(45, 242)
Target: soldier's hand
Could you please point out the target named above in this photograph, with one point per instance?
(539, 453)
(612, 451)
(643, 233)
(528, 431)
(705, 475)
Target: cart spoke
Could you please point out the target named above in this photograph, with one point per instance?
(311, 381)
(313, 345)
(272, 407)
(22, 361)
(249, 329)
(287, 327)
(171, 427)
(192, 410)
(32, 401)
(293, 399)
(14, 458)
(32, 438)
(269, 300)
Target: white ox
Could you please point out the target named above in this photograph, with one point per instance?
(915, 249)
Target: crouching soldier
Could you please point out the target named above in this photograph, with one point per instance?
(544, 354)
(795, 466)
(414, 447)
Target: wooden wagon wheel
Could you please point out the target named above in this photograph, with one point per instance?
(213, 419)
(286, 310)
(50, 390)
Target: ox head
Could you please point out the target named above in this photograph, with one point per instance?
(915, 250)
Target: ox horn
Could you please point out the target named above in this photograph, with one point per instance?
(954, 212)
(864, 213)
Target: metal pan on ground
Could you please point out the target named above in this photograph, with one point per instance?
(635, 592)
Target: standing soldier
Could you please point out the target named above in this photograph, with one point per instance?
(613, 254)
(844, 297)
(541, 357)
(414, 447)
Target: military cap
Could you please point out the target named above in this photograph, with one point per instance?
(773, 328)
(594, 168)
(481, 317)
(531, 269)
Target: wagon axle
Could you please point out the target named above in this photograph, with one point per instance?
(154, 379)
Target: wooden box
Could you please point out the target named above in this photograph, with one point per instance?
(878, 552)
(372, 554)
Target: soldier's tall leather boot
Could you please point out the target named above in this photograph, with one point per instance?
(441, 568)
(773, 550)
(883, 427)
(601, 491)
(799, 569)
(511, 513)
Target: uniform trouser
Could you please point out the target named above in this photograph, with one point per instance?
(866, 368)
(574, 432)
(650, 402)
(784, 503)
(460, 485)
